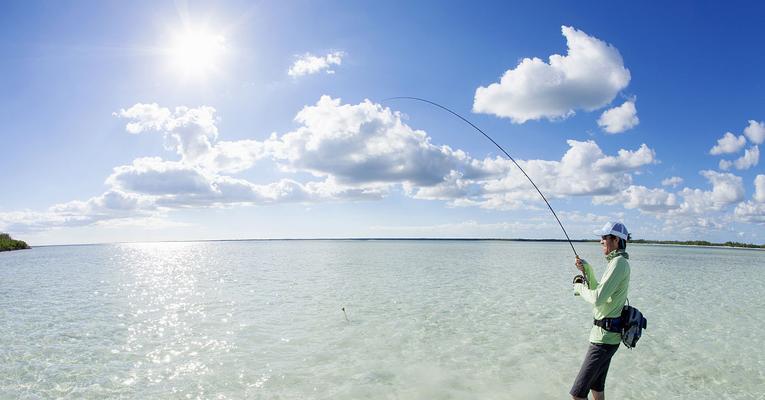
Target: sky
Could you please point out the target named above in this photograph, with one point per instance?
(162, 120)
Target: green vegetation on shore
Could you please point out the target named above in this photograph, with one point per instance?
(6, 243)
(701, 243)
(669, 242)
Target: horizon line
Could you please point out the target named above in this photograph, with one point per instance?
(495, 239)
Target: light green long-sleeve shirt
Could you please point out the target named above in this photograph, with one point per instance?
(607, 296)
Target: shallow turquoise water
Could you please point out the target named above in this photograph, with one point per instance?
(427, 320)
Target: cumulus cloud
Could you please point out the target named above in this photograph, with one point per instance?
(703, 210)
(753, 211)
(729, 143)
(688, 210)
(642, 198)
(750, 158)
(755, 131)
(364, 143)
(726, 188)
(353, 151)
(584, 170)
(308, 64)
(672, 181)
(154, 176)
(451, 188)
(588, 77)
(471, 228)
(112, 205)
(589, 219)
(365, 146)
(192, 133)
(619, 119)
(176, 185)
(187, 131)
(759, 188)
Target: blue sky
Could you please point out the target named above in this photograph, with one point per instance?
(230, 120)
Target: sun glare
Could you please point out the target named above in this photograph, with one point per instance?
(196, 53)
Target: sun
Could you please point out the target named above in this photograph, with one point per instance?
(196, 53)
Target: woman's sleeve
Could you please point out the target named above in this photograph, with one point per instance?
(598, 296)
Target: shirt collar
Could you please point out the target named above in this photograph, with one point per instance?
(617, 253)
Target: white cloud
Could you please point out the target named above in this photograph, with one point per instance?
(192, 133)
(698, 210)
(584, 170)
(364, 150)
(750, 158)
(188, 131)
(627, 160)
(759, 188)
(176, 185)
(619, 119)
(588, 77)
(751, 212)
(308, 64)
(112, 205)
(361, 148)
(154, 176)
(471, 228)
(755, 131)
(589, 219)
(726, 188)
(703, 210)
(729, 143)
(364, 143)
(642, 198)
(360, 151)
(673, 181)
(452, 187)
(144, 116)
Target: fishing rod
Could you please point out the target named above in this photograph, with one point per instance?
(499, 147)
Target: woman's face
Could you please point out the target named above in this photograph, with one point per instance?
(609, 243)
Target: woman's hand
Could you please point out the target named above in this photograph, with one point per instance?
(579, 264)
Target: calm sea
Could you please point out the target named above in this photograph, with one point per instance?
(423, 320)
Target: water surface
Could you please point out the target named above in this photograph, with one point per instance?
(426, 320)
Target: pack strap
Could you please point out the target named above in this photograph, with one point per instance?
(609, 324)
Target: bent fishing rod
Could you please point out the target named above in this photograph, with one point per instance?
(501, 149)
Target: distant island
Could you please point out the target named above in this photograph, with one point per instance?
(667, 242)
(7, 243)
(700, 243)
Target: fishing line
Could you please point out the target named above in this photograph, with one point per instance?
(499, 147)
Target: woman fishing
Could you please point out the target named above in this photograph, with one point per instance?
(607, 297)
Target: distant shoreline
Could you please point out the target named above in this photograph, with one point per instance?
(7, 243)
(702, 244)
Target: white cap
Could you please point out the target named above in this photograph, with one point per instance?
(613, 228)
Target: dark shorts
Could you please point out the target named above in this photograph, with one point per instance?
(592, 376)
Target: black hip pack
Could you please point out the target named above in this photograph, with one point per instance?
(630, 325)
